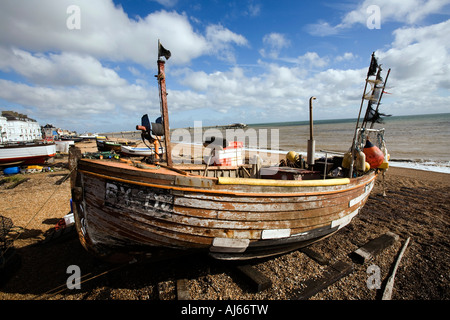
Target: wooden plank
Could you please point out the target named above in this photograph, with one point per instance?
(332, 274)
(256, 279)
(15, 184)
(315, 256)
(390, 283)
(183, 290)
(374, 247)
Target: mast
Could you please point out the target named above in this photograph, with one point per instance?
(163, 97)
(381, 95)
(372, 69)
(311, 142)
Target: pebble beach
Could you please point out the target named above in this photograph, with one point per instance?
(416, 206)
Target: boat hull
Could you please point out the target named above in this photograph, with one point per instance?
(104, 145)
(118, 208)
(139, 152)
(27, 154)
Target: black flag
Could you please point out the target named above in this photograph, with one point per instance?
(163, 52)
(373, 66)
(373, 115)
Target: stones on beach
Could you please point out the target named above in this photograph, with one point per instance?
(423, 273)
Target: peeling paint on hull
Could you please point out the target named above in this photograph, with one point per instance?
(118, 207)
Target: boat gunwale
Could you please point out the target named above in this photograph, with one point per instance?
(356, 181)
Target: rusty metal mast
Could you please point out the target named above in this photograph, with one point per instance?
(164, 111)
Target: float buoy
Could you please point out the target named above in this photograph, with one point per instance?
(292, 156)
(361, 161)
(347, 160)
(374, 156)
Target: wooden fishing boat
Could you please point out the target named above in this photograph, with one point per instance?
(124, 208)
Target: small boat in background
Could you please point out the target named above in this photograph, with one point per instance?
(139, 152)
(90, 136)
(71, 138)
(108, 145)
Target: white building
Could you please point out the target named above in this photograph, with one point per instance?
(19, 129)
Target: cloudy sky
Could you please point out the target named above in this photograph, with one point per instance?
(89, 65)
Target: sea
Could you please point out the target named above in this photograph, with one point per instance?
(416, 141)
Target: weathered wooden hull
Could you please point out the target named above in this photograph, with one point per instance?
(119, 208)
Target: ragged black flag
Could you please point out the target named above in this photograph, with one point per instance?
(373, 115)
(163, 52)
(373, 66)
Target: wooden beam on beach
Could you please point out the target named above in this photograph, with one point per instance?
(15, 184)
(374, 247)
(332, 274)
(183, 290)
(255, 278)
(390, 283)
(315, 256)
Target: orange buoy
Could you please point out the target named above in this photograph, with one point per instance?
(374, 156)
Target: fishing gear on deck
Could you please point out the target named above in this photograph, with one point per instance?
(101, 155)
(372, 115)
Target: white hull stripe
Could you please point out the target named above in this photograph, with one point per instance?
(229, 245)
(368, 188)
(342, 222)
(275, 234)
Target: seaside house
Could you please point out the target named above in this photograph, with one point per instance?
(16, 127)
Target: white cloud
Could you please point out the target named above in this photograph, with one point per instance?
(312, 60)
(106, 32)
(167, 3)
(254, 9)
(419, 59)
(220, 40)
(72, 75)
(404, 11)
(345, 56)
(321, 29)
(274, 43)
(58, 69)
(418, 82)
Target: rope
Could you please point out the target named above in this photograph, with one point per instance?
(64, 286)
(143, 166)
(31, 219)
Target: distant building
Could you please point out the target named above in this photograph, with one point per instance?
(49, 132)
(16, 127)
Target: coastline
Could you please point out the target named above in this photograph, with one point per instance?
(416, 206)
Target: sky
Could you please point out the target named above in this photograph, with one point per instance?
(90, 66)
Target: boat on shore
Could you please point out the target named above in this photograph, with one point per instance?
(125, 209)
(138, 152)
(26, 153)
(236, 126)
(116, 146)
